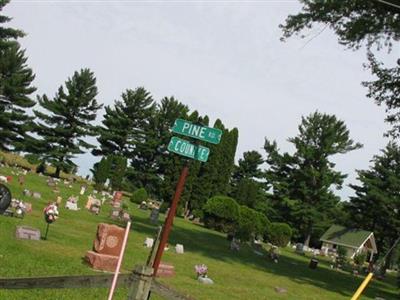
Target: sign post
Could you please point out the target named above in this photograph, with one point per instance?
(170, 218)
(187, 149)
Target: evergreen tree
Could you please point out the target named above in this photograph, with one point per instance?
(169, 164)
(128, 132)
(65, 123)
(376, 205)
(249, 166)
(125, 124)
(101, 172)
(247, 188)
(15, 87)
(357, 23)
(214, 176)
(117, 171)
(302, 182)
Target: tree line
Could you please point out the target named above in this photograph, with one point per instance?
(294, 188)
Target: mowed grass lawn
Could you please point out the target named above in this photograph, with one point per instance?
(237, 275)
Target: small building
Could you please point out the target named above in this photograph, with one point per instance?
(355, 241)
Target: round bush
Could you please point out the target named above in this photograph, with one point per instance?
(279, 234)
(139, 196)
(251, 223)
(221, 213)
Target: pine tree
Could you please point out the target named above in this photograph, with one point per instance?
(214, 176)
(125, 123)
(169, 165)
(376, 205)
(358, 23)
(66, 121)
(303, 182)
(127, 132)
(117, 171)
(101, 172)
(15, 87)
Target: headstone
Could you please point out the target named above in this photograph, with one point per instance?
(115, 213)
(324, 251)
(179, 249)
(89, 202)
(102, 262)
(116, 204)
(126, 217)
(27, 233)
(95, 209)
(235, 245)
(165, 270)
(36, 195)
(21, 180)
(155, 212)
(27, 192)
(148, 242)
(299, 248)
(205, 280)
(3, 179)
(28, 207)
(83, 190)
(71, 205)
(280, 290)
(117, 196)
(109, 239)
(59, 200)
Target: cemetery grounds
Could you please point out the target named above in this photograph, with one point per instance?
(237, 275)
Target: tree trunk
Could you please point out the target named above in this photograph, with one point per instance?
(308, 238)
(58, 171)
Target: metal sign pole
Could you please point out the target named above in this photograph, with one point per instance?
(170, 218)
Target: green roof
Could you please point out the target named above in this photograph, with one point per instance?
(344, 236)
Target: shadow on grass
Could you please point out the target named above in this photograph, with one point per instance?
(214, 245)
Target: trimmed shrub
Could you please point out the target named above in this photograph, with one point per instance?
(221, 213)
(279, 234)
(139, 196)
(251, 223)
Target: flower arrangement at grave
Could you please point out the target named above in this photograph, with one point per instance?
(202, 276)
(50, 213)
(201, 270)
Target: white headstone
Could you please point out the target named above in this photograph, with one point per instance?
(179, 249)
(205, 280)
(71, 205)
(149, 242)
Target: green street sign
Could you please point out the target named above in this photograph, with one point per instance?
(206, 134)
(183, 147)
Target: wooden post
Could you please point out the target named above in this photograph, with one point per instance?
(152, 255)
(140, 288)
(170, 217)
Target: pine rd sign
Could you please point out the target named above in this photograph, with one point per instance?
(203, 133)
(183, 147)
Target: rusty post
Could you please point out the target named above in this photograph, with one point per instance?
(170, 217)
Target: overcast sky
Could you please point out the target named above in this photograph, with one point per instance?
(221, 58)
